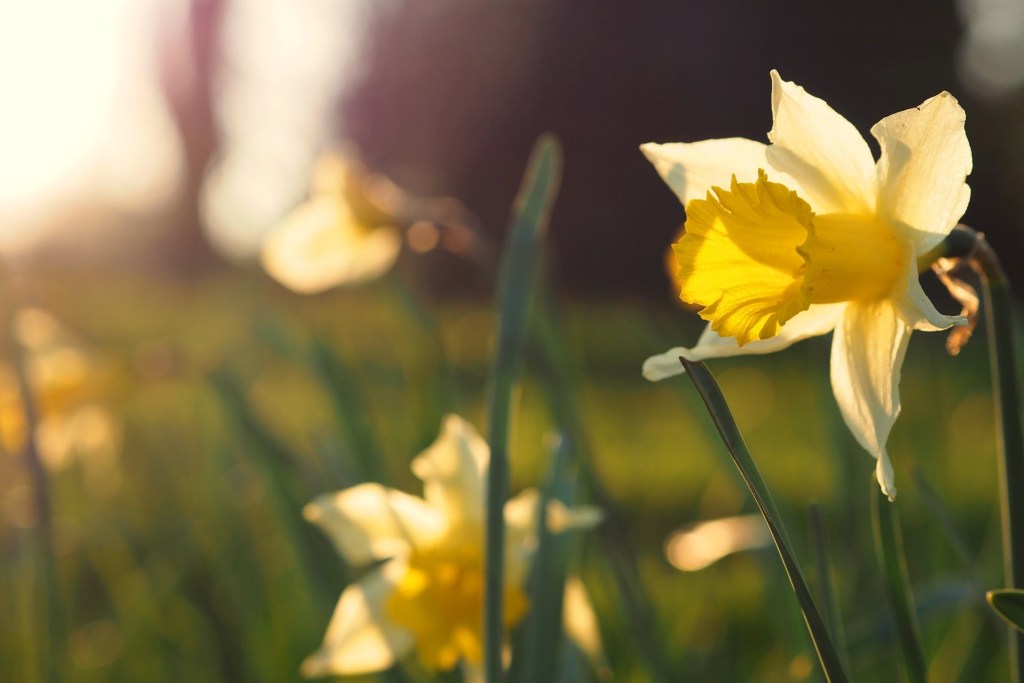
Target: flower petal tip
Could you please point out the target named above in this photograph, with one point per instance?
(886, 477)
(311, 512)
(313, 666)
(663, 366)
(561, 518)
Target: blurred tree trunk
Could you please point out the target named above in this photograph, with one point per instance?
(188, 61)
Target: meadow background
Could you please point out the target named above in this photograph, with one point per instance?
(222, 403)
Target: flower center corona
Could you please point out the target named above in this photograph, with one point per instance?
(439, 600)
(756, 255)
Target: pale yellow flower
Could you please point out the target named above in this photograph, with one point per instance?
(810, 234)
(336, 237)
(427, 595)
(66, 386)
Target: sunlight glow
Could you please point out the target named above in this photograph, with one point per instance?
(284, 66)
(990, 56)
(48, 69)
(83, 119)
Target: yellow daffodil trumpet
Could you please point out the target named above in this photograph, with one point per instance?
(809, 234)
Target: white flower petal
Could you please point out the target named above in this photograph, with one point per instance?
(320, 245)
(580, 623)
(453, 470)
(867, 356)
(925, 161)
(562, 518)
(360, 639)
(520, 534)
(370, 522)
(810, 323)
(918, 311)
(692, 169)
(822, 150)
(885, 475)
(471, 673)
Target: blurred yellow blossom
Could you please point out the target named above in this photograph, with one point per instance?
(427, 595)
(809, 234)
(65, 386)
(340, 235)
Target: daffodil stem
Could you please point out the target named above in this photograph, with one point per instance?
(999, 329)
(889, 545)
(47, 587)
(1010, 444)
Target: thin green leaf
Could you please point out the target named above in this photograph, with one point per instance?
(889, 542)
(948, 526)
(350, 409)
(278, 467)
(719, 411)
(361, 457)
(1009, 604)
(553, 366)
(516, 280)
(539, 644)
(826, 586)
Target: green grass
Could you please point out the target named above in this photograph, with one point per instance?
(189, 560)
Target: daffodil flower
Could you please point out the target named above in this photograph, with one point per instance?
(810, 234)
(427, 594)
(336, 237)
(67, 387)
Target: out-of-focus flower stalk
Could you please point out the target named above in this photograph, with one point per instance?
(47, 588)
(970, 247)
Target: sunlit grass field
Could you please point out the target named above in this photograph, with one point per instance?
(186, 558)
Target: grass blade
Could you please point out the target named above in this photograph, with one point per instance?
(889, 541)
(278, 467)
(826, 585)
(350, 409)
(719, 411)
(553, 366)
(539, 647)
(516, 279)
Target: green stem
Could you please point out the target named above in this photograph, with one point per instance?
(999, 329)
(48, 587)
(889, 541)
(967, 244)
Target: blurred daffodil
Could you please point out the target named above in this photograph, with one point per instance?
(65, 386)
(427, 595)
(810, 234)
(338, 236)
